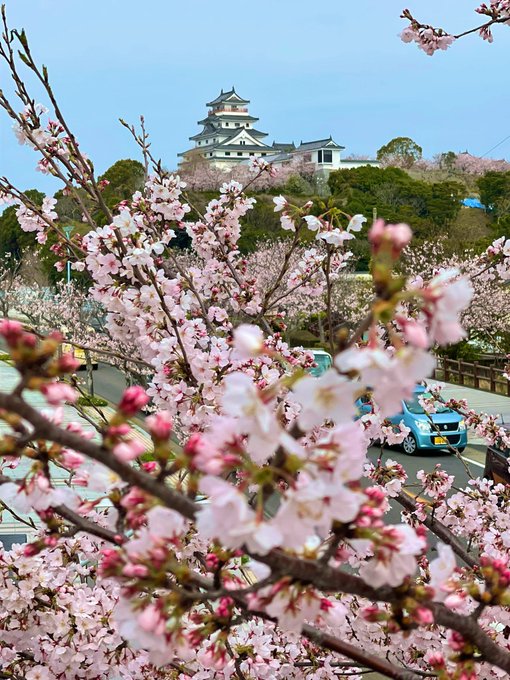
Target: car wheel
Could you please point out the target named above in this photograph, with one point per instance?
(409, 445)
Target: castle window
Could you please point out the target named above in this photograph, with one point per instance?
(263, 154)
(237, 124)
(251, 153)
(239, 153)
(324, 156)
(227, 153)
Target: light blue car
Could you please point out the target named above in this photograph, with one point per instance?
(447, 427)
(323, 360)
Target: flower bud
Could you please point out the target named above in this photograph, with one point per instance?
(133, 399)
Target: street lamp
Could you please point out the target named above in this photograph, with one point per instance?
(68, 230)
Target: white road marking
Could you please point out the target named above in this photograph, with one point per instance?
(473, 462)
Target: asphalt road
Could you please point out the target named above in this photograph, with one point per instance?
(110, 383)
(473, 458)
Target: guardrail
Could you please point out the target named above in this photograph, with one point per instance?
(488, 378)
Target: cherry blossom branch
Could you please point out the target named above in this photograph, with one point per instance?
(367, 660)
(47, 430)
(440, 530)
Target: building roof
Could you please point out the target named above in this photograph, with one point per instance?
(230, 147)
(230, 96)
(284, 146)
(319, 144)
(216, 116)
(229, 134)
(239, 147)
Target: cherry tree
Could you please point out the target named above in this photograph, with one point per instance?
(349, 292)
(82, 323)
(430, 39)
(261, 547)
(487, 314)
(201, 175)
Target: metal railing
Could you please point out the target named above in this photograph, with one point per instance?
(488, 378)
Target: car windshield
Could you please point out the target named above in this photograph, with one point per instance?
(323, 362)
(414, 406)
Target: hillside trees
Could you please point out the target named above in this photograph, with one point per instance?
(400, 152)
(398, 197)
(495, 192)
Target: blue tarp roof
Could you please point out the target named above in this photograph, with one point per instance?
(473, 203)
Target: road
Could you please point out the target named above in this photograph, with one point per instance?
(473, 458)
(110, 383)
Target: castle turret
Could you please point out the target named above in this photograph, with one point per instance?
(228, 134)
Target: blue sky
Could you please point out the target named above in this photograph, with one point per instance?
(310, 69)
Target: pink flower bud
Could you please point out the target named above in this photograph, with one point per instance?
(58, 392)
(150, 619)
(118, 430)
(133, 399)
(193, 445)
(399, 234)
(423, 616)
(56, 335)
(71, 459)
(160, 425)
(31, 549)
(126, 451)
(135, 571)
(11, 331)
(67, 363)
(134, 497)
(376, 233)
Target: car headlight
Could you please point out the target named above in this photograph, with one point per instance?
(462, 425)
(423, 425)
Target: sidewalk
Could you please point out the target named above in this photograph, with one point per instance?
(478, 400)
(9, 378)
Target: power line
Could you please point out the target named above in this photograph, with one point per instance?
(496, 146)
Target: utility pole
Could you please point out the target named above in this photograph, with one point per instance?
(68, 230)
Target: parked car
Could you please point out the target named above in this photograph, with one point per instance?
(323, 360)
(424, 434)
(496, 464)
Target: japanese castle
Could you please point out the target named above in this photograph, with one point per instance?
(229, 137)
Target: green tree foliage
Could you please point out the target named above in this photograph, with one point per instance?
(397, 197)
(402, 151)
(447, 160)
(298, 186)
(494, 190)
(124, 177)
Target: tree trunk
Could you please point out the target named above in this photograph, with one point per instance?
(90, 373)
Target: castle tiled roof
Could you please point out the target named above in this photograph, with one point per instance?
(284, 146)
(216, 117)
(319, 144)
(230, 96)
